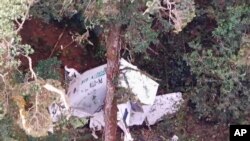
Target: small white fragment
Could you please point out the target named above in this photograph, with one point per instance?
(72, 72)
(55, 112)
(94, 134)
(175, 138)
(51, 129)
(97, 121)
(127, 135)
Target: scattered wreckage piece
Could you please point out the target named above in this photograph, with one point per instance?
(163, 105)
(142, 86)
(87, 91)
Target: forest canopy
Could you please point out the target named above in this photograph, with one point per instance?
(199, 48)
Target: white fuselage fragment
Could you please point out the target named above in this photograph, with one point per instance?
(87, 92)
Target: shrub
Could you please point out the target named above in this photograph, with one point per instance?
(222, 90)
(48, 69)
(49, 10)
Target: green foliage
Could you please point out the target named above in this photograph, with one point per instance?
(140, 34)
(168, 64)
(13, 13)
(18, 77)
(78, 122)
(55, 9)
(232, 23)
(137, 27)
(48, 69)
(179, 13)
(69, 129)
(10, 10)
(221, 67)
(9, 131)
(222, 90)
(100, 53)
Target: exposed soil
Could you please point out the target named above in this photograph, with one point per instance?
(44, 38)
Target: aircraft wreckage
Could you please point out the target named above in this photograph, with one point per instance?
(138, 102)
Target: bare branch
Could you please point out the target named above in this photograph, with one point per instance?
(33, 74)
(25, 16)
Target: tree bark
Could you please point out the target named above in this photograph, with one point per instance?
(113, 57)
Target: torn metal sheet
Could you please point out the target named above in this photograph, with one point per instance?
(71, 72)
(143, 87)
(87, 91)
(123, 114)
(123, 117)
(97, 121)
(125, 129)
(56, 111)
(163, 105)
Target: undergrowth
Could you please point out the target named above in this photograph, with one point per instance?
(49, 69)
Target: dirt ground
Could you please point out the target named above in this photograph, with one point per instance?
(44, 38)
(49, 40)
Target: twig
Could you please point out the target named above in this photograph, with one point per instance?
(58, 40)
(155, 5)
(82, 38)
(86, 9)
(67, 45)
(153, 51)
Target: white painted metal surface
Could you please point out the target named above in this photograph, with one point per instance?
(87, 92)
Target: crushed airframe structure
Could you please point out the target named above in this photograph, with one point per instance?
(138, 102)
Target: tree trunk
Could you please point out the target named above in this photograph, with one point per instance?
(113, 57)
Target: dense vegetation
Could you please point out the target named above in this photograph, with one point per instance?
(201, 48)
